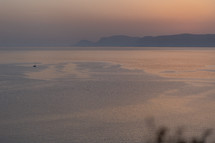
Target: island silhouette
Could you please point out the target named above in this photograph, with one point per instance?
(178, 40)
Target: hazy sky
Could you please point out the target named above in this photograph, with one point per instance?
(60, 21)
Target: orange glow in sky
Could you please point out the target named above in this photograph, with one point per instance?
(91, 19)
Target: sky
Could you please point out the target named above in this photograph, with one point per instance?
(68, 21)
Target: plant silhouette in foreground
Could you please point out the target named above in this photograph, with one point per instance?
(162, 136)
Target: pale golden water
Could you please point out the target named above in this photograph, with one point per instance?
(104, 95)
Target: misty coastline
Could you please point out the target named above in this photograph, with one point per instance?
(178, 40)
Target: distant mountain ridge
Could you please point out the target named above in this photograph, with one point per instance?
(178, 40)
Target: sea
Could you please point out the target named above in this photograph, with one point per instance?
(106, 94)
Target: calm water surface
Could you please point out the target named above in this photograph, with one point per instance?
(104, 96)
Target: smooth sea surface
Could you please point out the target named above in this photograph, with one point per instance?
(104, 95)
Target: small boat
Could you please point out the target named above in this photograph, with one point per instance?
(34, 66)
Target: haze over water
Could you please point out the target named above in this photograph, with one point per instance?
(65, 22)
(104, 95)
